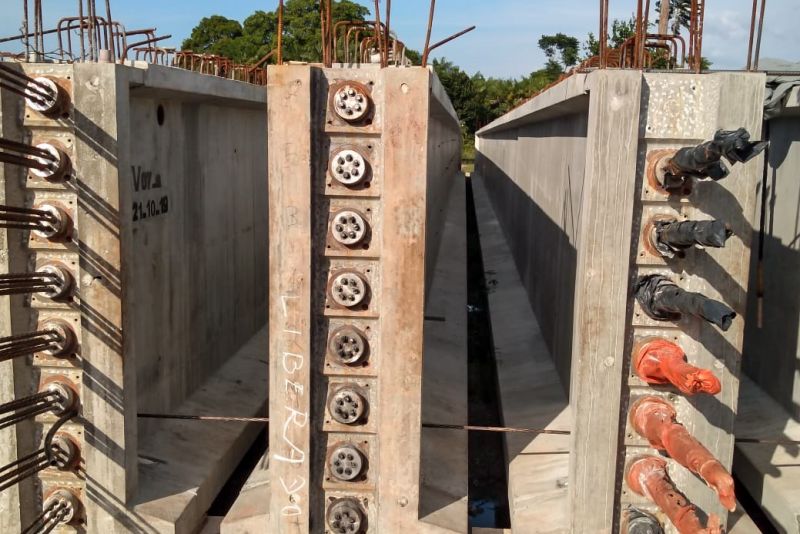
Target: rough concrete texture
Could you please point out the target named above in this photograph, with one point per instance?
(410, 143)
(772, 342)
(169, 201)
(566, 174)
(531, 396)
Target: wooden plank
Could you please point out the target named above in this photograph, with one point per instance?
(601, 296)
(289, 134)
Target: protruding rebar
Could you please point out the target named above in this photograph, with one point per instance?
(57, 338)
(672, 238)
(56, 397)
(647, 476)
(59, 451)
(663, 300)
(654, 419)
(46, 220)
(51, 280)
(61, 507)
(40, 93)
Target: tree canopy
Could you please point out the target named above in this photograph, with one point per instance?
(249, 41)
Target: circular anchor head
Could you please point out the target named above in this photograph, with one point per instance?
(64, 505)
(640, 522)
(351, 102)
(58, 164)
(49, 103)
(67, 397)
(348, 167)
(346, 463)
(66, 342)
(65, 451)
(348, 289)
(63, 283)
(60, 225)
(348, 345)
(347, 406)
(345, 516)
(348, 227)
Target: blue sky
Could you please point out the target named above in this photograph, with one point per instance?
(504, 43)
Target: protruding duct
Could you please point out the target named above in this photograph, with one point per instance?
(53, 281)
(57, 397)
(663, 300)
(60, 450)
(672, 238)
(47, 221)
(45, 160)
(57, 338)
(662, 362)
(647, 476)
(41, 94)
(676, 171)
(61, 507)
(655, 420)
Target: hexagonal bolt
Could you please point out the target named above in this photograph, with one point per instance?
(59, 226)
(348, 345)
(345, 516)
(347, 406)
(62, 507)
(348, 289)
(348, 167)
(58, 165)
(351, 103)
(348, 227)
(346, 463)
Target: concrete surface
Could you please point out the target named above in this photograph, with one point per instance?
(531, 395)
(566, 175)
(772, 348)
(250, 512)
(771, 472)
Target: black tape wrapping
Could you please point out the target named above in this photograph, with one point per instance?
(673, 237)
(705, 160)
(663, 300)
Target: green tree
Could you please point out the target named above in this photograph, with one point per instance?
(246, 43)
(215, 35)
(621, 30)
(565, 46)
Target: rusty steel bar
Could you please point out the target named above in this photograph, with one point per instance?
(280, 32)
(388, 32)
(638, 34)
(23, 36)
(26, 30)
(55, 340)
(59, 451)
(603, 35)
(111, 45)
(655, 420)
(378, 33)
(700, 22)
(140, 43)
(27, 219)
(426, 50)
(448, 39)
(752, 36)
(51, 280)
(53, 514)
(760, 33)
(647, 476)
(80, 29)
(56, 397)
